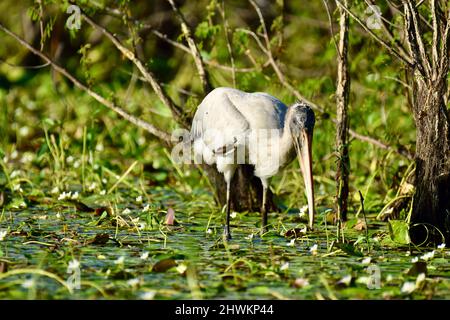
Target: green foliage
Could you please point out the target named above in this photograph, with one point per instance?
(55, 137)
(204, 30)
(399, 231)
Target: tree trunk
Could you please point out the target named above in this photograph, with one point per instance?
(246, 189)
(431, 207)
(342, 123)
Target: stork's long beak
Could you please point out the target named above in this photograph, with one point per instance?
(304, 154)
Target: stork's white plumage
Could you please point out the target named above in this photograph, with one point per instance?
(232, 127)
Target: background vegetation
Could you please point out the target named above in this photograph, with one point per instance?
(55, 139)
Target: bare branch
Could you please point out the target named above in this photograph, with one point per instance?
(210, 63)
(405, 59)
(389, 34)
(445, 47)
(330, 20)
(255, 36)
(296, 93)
(415, 37)
(149, 77)
(342, 118)
(263, 25)
(436, 34)
(227, 38)
(194, 49)
(143, 124)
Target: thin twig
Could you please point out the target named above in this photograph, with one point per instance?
(143, 124)
(227, 38)
(389, 34)
(210, 63)
(361, 199)
(148, 75)
(282, 78)
(330, 20)
(194, 49)
(436, 35)
(424, 60)
(406, 59)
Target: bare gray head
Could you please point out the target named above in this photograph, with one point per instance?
(300, 120)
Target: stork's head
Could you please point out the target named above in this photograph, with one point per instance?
(301, 121)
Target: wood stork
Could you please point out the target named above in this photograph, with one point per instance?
(232, 127)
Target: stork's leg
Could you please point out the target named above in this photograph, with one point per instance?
(264, 208)
(227, 226)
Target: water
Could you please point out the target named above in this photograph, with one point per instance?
(48, 236)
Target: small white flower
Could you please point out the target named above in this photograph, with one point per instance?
(104, 181)
(420, 278)
(363, 280)
(27, 157)
(17, 188)
(303, 211)
(92, 186)
(301, 283)
(250, 236)
(149, 295)
(126, 211)
(428, 256)
(76, 164)
(408, 287)
(142, 225)
(55, 190)
(291, 243)
(441, 246)
(135, 220)
(144, 255)
(313, 249)
(74, 195)
(209, 231)
(366, 260)
(141, 140)
(133, 282)
(58, 215)
(120, 260)
(27, 284)
(233, 215)
(346, 280)
(415, 259)
(146, 208)
(14, 154)
(24, 131)
(103, 192)
(181, 268)
(73, 265)
(65, 195)
(389, 278)
(285, 266)
(139, 199)
(69, 159)
(14, 174)
(99, 147)
(3, 234)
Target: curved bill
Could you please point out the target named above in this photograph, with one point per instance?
(303, 146)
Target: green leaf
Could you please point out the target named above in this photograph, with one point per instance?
(399, 231)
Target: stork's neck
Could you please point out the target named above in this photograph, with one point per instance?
(287, 148)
